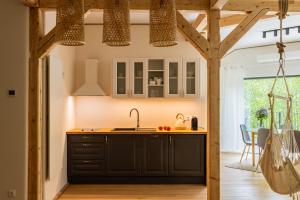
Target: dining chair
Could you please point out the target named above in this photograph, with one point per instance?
(246, 139)
(262, 136)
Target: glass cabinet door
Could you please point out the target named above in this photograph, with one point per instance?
(156, 78)
(173, 78)
(121, 77)
(191, 72)
(138, 78)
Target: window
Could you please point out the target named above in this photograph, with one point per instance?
(256, 96)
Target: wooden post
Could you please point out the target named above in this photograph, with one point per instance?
(35, 177)
(213, 90)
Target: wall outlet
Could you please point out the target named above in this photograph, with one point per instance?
(12, 193)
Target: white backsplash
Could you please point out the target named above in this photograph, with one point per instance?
(103, 112)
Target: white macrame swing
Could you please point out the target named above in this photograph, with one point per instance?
(280, 162)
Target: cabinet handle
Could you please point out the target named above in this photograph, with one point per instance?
(87, 161)
(170, 139)
(85, 137)
(155, 136)
(86, 145)
(106, 139)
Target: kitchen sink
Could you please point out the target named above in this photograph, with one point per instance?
(123, 129)
(135, 129)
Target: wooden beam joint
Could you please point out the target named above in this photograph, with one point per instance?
(31, 3)
(192, 35)
(219, 4)
(241, 30)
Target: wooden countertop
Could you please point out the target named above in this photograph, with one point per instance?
(77, 131)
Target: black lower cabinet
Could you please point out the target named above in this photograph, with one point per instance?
(155, 155)
(122, 155)
(187, 155)
(86, 156)
(134, 158)
(86, 168)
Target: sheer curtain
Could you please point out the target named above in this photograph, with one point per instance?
(232, 108)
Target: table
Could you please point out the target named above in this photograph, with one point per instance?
(253, 134)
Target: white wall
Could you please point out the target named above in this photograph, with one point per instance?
(13, 119)
(62, 112)
(113, 112)
(248, 58)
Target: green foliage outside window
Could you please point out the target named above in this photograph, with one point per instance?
(256, 97)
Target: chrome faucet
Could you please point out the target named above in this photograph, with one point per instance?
(138, 117)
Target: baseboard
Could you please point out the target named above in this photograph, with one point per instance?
(61, 191)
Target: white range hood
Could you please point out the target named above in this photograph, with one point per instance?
(90, 86)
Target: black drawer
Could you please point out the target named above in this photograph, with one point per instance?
(86, 138)
(87, 151)
(87, 167)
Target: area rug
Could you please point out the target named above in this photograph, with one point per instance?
(244, 166)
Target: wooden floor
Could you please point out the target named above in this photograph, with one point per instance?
(235, 185)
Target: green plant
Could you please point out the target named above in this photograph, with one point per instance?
(261, 115)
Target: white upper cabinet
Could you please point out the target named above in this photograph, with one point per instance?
(156, 78)
(173, 77)
(121, 77)
(191, 77)
(138, 77)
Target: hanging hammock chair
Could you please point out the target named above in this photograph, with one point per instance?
(280, 162)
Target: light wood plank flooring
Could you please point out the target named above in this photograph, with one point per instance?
(235, 185)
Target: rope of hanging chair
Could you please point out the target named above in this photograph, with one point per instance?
(283, 9)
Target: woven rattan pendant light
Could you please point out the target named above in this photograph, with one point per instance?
(163, 23)
(70, 22)
(116, 23)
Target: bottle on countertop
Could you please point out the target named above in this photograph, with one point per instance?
(194, 123)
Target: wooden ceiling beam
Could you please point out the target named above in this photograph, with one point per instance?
(236, 19)
(198, 20)
(31, 3)
(192, 35)
(230, 5)
(136, 4)
(47, 43)
(252, 5)
(241, 30)
(219, 4)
